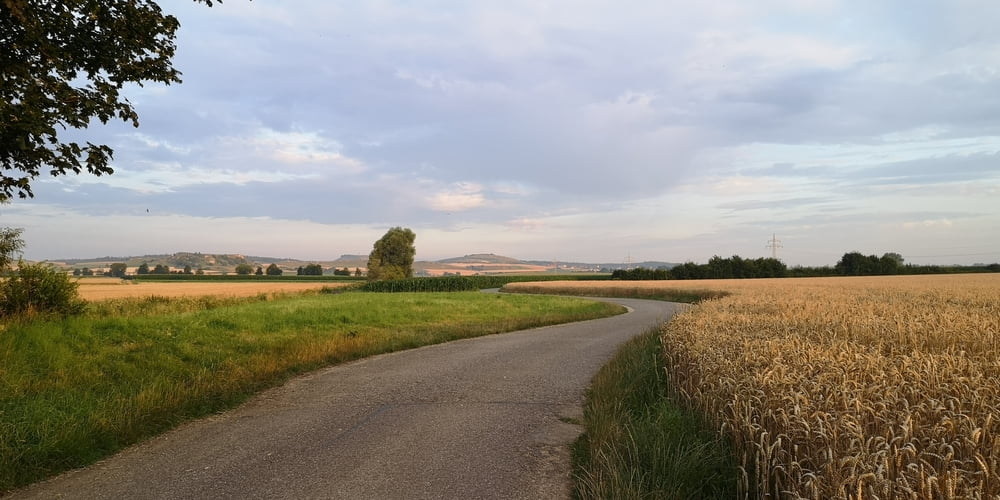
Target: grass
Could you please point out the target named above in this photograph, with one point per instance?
(638, 443)
(77, 389)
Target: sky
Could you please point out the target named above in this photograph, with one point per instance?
(583, 130)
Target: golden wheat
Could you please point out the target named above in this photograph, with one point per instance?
(857, 388)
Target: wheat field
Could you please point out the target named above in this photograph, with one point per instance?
(115, 288)
(858, 388)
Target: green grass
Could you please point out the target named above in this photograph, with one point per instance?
(77, 389)
(638, 444)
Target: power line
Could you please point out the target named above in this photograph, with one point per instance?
(774, 244)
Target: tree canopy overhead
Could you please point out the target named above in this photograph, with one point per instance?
(63, 64)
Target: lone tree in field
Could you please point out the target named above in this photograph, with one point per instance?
(118, 270)
(274, 270)
(244, 269)
(392, 257)
(62, 66)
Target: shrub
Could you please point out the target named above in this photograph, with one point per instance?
(39, 288)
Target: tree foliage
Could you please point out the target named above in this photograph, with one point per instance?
(858, 264)
(39, 288)
(734, 267)
(392, 255)
(244, 268)
(118, 269)
(310, 270)
(63, 65)
(10, 244)
(273, 270)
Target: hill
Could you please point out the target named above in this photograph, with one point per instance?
(481, 258)
(478, 263)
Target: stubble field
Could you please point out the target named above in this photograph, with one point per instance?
(885, 387)
(114, 288)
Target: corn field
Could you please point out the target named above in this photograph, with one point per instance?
(858, 388)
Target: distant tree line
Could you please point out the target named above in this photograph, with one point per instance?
(144, 269)
(309, 270)
(735, 267)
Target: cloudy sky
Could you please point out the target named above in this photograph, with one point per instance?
(581, 130)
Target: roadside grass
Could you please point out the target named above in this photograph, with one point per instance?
(638, 443)
(77, 389)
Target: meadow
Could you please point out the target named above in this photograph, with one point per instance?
(76, 389)
(875, 387)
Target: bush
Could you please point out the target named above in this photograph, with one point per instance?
(39, 288)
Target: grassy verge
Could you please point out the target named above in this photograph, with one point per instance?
(638, 443)
(78, 389)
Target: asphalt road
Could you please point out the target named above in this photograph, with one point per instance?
(477, 418)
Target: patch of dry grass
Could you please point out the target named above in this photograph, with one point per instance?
(114, 288)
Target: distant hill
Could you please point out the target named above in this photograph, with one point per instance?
(467, 264)
(481, 258)
(649, 264)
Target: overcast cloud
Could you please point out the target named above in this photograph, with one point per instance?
(567, 130)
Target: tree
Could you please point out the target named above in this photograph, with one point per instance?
(187, 269)
(160, 269)
(311, 270)
(274, 270)
(63, 65)
(392, 255)
(118, 269)
(143, 269)
(259, 271)
(10, 244)
(39, 288)
(357, 271)
(244, 269)
(32, 287)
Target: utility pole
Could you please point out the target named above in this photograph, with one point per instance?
(774, 244)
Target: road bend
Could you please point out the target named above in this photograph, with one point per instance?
(488, 417)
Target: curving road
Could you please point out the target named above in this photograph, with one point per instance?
(477, 418)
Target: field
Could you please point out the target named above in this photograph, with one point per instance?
(114, 288)
(883, 387)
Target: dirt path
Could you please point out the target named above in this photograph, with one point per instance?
(478, 418)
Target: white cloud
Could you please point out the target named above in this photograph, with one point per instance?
(458, 197)
(596, 128)
(930, 223)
